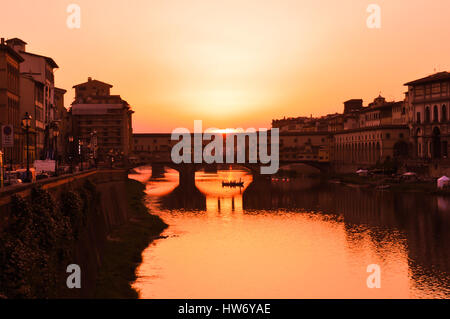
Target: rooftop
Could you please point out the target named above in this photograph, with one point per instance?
(15, 41)
(90, 80)
(60, 90)
(48, 59)
(440, 76)
(10, 51)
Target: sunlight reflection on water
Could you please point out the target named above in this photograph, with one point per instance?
(284, 240)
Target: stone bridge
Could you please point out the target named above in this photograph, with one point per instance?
(187, 170)
(311, 149)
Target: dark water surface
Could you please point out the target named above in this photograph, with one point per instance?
(301, 238)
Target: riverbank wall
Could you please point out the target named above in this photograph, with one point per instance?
(48, 225)
(431, 169)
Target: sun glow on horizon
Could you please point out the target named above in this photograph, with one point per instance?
(227, 131)
(235, 63)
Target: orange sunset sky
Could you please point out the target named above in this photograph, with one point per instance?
(235, 63)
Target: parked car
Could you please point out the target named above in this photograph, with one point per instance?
(23, 174)
(20, 174)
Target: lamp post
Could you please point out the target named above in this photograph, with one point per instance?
(71, 153)
(26, 122)
(55, 135)
(94, 146)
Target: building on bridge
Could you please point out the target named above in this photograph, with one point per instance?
(302, 124)
(147, 146)
(305, 146)
(98, 115)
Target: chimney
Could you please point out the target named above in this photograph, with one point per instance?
(89, 79)
(16, 44)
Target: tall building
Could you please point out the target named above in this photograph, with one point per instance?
(107, 118)
(428, 102)
(40, 69)
(10, 62)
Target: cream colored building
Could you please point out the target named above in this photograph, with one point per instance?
(148, 146)
(428, 101)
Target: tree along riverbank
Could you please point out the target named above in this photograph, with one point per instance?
(123, 251)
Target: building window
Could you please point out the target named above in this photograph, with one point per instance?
(388, 136)
(435, 114)
(427, 115)
(444, 113)
(418, 118)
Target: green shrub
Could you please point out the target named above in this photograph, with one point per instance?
(37, 243)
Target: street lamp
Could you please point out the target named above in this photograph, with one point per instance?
(26, 122)
(94, 145)
(111, 157)
(55, 135)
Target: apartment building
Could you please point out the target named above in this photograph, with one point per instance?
(10, 62)
(101, 121)
(37, 73)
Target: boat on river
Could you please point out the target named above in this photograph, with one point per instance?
(233, 183)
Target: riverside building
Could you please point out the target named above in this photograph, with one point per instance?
(101, 122)
(10, 62)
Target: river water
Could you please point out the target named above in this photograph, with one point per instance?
(302, 238)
